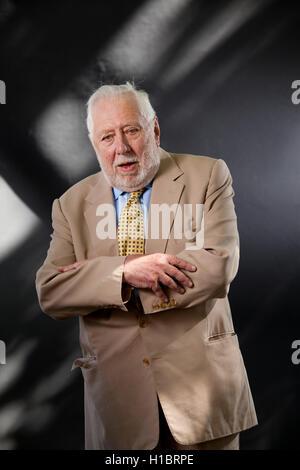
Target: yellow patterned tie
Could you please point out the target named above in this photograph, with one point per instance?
(131, 226)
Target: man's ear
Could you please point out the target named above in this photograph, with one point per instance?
(156, 131)
(91, 140)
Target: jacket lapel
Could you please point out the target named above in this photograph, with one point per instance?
(101, 196)
(166, 189)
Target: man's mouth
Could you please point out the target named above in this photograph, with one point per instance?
(127, 166)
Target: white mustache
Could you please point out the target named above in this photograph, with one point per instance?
(126, 160)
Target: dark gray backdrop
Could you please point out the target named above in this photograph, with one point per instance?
(219, 75)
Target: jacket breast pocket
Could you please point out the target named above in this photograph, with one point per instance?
(221, 337)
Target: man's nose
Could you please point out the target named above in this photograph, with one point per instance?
(122, 145)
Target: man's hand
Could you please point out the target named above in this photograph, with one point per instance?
(149, 271)
(64, 269)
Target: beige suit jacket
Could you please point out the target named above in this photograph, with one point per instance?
(186, 350)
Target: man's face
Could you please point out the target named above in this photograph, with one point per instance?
(125, 143)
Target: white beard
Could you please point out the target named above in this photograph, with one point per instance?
(151, 162)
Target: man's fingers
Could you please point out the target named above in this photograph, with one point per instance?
(169, 282)
(180, 276)
(64, 269)
(182, 264)
(160, 293)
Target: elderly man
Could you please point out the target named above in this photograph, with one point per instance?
(143, 253)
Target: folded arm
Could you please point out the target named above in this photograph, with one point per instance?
(89, 286)
(217, 260)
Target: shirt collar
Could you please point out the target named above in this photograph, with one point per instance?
(117, 192)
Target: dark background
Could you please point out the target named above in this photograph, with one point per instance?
(219, 75)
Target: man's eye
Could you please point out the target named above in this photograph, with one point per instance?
(107, 138)
(132, 131)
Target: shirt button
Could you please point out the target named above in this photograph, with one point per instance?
(146, 362)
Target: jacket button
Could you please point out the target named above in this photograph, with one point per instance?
(146, 362)
(143, 323)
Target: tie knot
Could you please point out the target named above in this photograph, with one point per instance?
(135, 195)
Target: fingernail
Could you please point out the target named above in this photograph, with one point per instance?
(182, 291)
(194, 268)
(191, 284)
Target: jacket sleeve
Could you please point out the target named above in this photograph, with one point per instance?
(94, 285)
(217, 260)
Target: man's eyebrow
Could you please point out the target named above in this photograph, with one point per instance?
(133, 123)
(128, 124)
(104, 131)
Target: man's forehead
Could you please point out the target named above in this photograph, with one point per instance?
(117, 111)
(111, 105)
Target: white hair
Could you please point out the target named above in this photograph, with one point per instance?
(105, 91)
